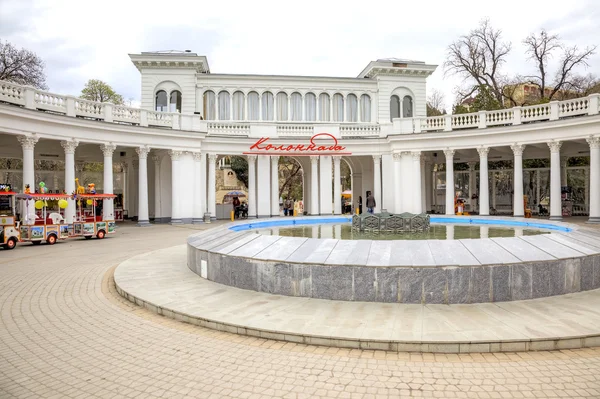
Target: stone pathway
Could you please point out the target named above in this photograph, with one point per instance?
(162, 280)
(64, 333)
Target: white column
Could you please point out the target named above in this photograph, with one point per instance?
(377, 183)
(429, 183)
(325, 188)
(252, 186)
(157, 188)
(397, 157)
(484, 190)
(274, 186)
(449, 182)
(555, 195)
(423, 185)
(176, 187)
(417, 203)
(518, 206)
(337, 182)
(494, 189)
(314, 185)
(143, 218)
(212, 186)
(594, 185)
(537, 187)
(199, 200)
(471, 186)
(563, 171)
(108, 205)
(69, 147)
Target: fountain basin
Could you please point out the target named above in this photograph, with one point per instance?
(565, 260)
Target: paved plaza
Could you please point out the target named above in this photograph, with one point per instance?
(65, 332)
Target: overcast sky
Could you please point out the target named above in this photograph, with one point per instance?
(82, 39)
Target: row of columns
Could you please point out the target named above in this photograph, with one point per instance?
(556, 179)
(318, 101)
(69, 147)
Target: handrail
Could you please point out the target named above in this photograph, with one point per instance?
(31, 98)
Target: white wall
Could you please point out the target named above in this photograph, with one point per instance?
(154, 79)
(186, 200)
(165, 186)
(415, 86)
(388, 182)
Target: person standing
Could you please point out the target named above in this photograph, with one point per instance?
(360, 204)
(371, 204)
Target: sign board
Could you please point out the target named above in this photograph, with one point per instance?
(320, 144)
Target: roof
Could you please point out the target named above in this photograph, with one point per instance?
(397, 66)
(171, 52)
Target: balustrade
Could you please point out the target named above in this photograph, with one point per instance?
(32, 98)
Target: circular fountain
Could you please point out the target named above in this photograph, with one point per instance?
(455, 260)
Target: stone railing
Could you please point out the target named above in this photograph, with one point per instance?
(228, 128)
(34, 99)
(551, 111)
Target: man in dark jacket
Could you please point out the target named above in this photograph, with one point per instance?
(371, 204)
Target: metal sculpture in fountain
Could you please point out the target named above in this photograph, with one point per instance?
(388, 222)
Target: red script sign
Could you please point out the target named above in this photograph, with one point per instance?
(261, 147)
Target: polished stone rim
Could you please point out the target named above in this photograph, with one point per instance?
(406, 271)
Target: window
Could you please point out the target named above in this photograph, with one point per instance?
(253, 106)
(394, 107)
(324, 113)
(268, 106)
(310, 105)
(175, 103)
(352, 108)
(338, 108)
(407, 107)
(282, 106)
(296, 107)
(161, 101)
(210, 106)
(238, 106)
(365, 108)
(224, 110)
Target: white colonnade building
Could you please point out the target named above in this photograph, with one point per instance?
(376, 122)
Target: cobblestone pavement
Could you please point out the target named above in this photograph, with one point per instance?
(65, 333)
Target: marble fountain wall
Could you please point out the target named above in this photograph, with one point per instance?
(423, 271)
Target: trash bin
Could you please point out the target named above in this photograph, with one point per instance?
(207, 217)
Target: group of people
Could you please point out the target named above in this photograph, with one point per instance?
(240, 210)
(288, 207)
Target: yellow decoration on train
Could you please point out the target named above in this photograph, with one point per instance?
(39, 204)
(89, 202)
(62, 204)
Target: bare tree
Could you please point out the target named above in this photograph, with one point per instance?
(436, 103)
(540, 47)
(582, 85)
(22, 66)
(478, 58)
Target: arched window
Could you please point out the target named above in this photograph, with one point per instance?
(224, 110)
(324, 112)
(407, 107)
(210, 106)
(352, 108)
(161, 101)
(175, 103)
(394, 107)
(365, 108)
(338, 108)
(296, 107)
(268, 106)
(238, 106)
(253, 106)
(282, 106)
(310, 105)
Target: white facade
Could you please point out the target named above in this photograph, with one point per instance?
(378, 118)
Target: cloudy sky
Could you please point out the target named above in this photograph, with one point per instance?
(82, 39)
